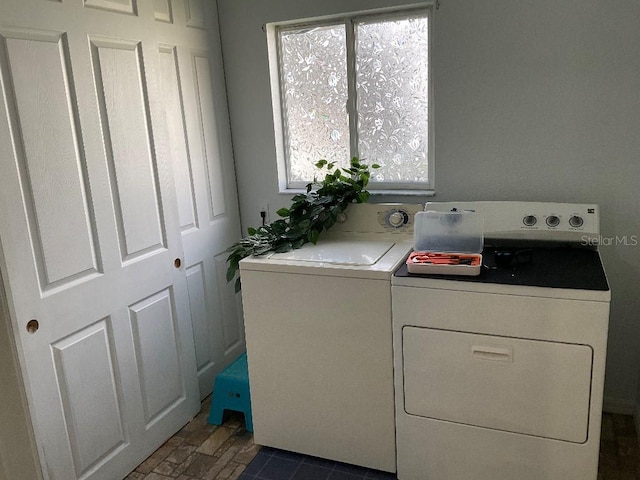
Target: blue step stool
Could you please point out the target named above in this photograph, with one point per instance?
(231, 392)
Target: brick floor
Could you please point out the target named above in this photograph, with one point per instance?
(200, 451)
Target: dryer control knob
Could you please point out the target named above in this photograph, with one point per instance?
(576, 221)
(553, 220)
(530, 220)
(341, 217)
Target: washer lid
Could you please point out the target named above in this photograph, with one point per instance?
(339, 252)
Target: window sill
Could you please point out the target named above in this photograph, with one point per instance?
(408, 193)
(402, 193)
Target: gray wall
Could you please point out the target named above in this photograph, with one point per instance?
(534, 101)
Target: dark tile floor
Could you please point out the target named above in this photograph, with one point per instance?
(206, 452)
(619, 449)
(273, 464)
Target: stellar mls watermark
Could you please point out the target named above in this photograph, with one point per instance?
(618, 240)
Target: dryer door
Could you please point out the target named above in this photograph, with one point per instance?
(531, 387)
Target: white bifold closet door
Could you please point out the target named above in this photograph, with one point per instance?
(117, 201)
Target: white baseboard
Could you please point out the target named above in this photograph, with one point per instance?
(622, 407)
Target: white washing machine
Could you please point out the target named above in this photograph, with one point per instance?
(500, 376)
(318, 333)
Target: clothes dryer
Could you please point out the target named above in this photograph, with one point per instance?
(500, 376)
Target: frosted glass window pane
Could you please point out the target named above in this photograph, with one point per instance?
(314, 88)
(392, 97)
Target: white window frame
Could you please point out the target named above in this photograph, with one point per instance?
(279, 120)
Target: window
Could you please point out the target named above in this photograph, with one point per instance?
(355, 86)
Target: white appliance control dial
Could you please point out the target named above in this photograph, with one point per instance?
(553, 220)
(576, 221)
(530, 220)
(396, 218)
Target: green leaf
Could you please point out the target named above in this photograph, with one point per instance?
(231, 272)
(292, 233)
(363, 197)
(304, 224)
(330, 222)
(375, 165)
(283, 212)
(298, 243)
(279, 227)
(321, 163)
(238, 285)
(251, 231)
(313, 236)
(234, 264)
(283, 247)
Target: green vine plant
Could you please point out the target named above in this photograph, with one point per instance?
(310, 214)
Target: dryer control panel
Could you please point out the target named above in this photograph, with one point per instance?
(572, 223)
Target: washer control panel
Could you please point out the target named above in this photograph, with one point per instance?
(395, 219)
(563, 222)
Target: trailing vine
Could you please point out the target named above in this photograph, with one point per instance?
(309, 215)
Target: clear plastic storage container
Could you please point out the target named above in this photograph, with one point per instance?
(447, 243)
